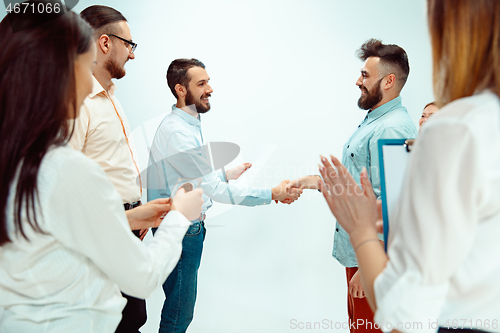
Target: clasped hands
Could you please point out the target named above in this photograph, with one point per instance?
(284, 195)
(355, 208)
(151, 214)
(355, 212)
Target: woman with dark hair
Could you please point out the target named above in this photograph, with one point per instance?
(66, 249)
(442, 267)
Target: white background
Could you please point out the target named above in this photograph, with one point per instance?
(283, 74)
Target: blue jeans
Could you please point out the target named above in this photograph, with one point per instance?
(181, 285)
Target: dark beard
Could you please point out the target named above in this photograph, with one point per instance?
(372, 97)
(114, 70)
(190, 100)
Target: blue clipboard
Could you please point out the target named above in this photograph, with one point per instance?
(393, 159)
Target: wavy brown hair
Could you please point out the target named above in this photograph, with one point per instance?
(37, 96)
(465, 36)
(393, 59)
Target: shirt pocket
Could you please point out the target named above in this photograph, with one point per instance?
(360, 156)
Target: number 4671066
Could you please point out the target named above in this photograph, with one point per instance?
(34, 8)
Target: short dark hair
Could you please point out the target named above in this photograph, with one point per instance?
(177, 72)
(103, 19)
(392, 57)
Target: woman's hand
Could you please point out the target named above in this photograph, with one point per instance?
(356, 210)
(354, 207)
(148, 215)
(188, 204)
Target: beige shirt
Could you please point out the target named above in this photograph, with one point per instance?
(102, 133)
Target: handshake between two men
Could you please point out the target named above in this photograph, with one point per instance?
(286, 191)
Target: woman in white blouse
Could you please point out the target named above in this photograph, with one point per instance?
(66, 249)
(442, 266)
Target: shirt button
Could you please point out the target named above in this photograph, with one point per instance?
(359, 126)
(347, 146)
(352, 154)
(337, 230)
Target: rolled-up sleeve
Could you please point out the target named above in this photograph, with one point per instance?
(435, 221)
(192, 161)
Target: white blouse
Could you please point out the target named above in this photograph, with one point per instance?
(444, 247)
(69, 279)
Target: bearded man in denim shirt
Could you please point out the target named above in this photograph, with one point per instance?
(383, 75)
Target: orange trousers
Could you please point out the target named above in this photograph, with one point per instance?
(360, 313)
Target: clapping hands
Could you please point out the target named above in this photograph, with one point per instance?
(354, 206)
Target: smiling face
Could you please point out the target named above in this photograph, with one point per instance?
(198, 89)
(120, 53)
(84, 65)
(428, 111)
(369, 84)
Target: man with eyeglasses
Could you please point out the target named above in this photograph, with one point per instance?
(102, 131)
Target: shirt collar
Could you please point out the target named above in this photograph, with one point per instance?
(186, 116)
(384, 108)
(98, 89)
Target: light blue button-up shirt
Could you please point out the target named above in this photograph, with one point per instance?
(389, 121)
(178, 152)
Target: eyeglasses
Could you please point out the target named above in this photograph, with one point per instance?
(133, 45)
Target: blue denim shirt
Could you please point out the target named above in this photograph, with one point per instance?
(178, 152)
(389, 121)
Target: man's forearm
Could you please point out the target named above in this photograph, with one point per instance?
(311, 182)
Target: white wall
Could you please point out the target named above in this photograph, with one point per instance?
(283, 74)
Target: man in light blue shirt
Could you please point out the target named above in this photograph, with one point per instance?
(383, 76)
(179, 153)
